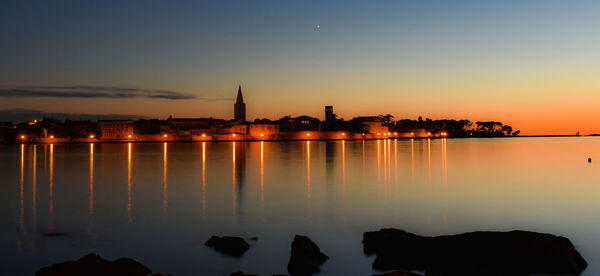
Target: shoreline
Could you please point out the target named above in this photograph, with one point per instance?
(89, 140)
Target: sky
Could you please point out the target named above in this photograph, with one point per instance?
(534, 65)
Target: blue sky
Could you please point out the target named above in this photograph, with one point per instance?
(501, 60)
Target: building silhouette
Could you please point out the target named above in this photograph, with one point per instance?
(239, 108)
(329, 118)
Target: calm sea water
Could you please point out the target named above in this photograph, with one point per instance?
(158, 203)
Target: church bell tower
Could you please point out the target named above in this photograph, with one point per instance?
(239, 108)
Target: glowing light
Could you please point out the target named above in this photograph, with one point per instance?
(165, 136)
(429, 133)
(233, 135)
(343, 134)
(385, 134)
(378, 133)
(261, 135)
(412, 134)
(203, 135)
(22, 136)
(51, 136)
(308, 134)
(92, 136)
(129, 136)
(396, 133)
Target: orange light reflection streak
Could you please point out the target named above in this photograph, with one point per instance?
(344, 170)
(34, 187)
(429, 157)
(165, 187)
(129, 183)
(203, 178)
(22, 191)
(262, 174)
(412, 160)
(51, 200)
(233, 175)
(91, 211)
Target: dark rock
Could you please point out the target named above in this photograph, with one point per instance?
(55, 234)
(239, 273)
(475, 253)
(94, 265)
(397, 273)
(234, 246)
(254, 238)
(306, 257)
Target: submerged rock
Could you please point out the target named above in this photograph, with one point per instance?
(475, 253)
(239, 273)
(306, 257)
(397, 273)
(234, 246)
(94, 265)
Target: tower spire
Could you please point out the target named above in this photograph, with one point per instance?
(239, 108)
(240, 98)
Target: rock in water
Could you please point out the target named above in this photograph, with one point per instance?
(306, 257)
(240, 273)
(94, 265)
(475, 253)
(234, 246)
(398, 273)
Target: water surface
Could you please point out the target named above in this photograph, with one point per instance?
(158, 203)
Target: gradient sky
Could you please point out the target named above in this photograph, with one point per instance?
(532, 64)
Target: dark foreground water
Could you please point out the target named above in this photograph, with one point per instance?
(158, 203)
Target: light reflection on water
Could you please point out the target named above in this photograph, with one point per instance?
(157, 203)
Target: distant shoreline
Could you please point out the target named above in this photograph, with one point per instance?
(282, 140)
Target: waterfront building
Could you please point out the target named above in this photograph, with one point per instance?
(115, 129)
(263, 131)
(300, 123)
(369, 124)
(330, 118)
(194, 123)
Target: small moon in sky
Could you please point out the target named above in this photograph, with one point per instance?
(318, 27)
